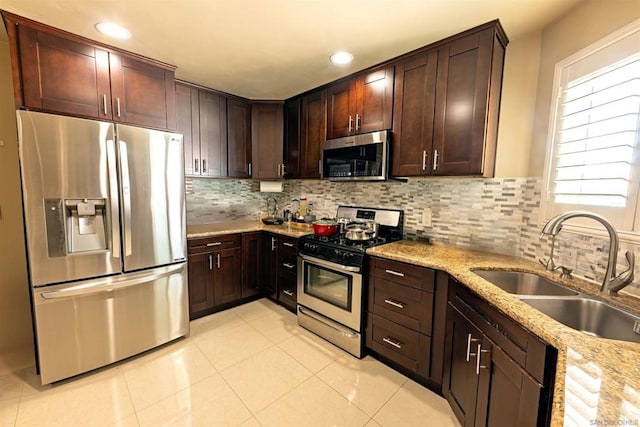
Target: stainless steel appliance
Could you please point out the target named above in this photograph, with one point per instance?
(332, 277)
(106, 236)
(357, 157)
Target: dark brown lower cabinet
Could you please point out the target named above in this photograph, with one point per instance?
(227, 277)
(252, 252)
(270, 266)
(287, 272)
(215, 273)
(496, 372)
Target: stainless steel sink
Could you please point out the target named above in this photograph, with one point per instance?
(590, 316)
(521, 283)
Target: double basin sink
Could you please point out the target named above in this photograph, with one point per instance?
(573, 309)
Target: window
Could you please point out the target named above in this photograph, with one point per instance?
(594, 154)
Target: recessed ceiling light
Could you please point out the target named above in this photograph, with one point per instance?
(341, 57)
(113, 30)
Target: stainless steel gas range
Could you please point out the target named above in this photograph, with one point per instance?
(332, 276)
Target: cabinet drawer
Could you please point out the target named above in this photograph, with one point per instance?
(406, 274)
(404, 305)
(205, 244)
(288, 246)
(404, 346)
(288, 265)
(287, 292)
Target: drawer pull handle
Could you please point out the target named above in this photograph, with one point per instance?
(214, 244)
(394, 303)
(395, 273)
(469, 341)
(392, 342)
(288, 244)
(289, 265)
(478, 356)
(287, 292)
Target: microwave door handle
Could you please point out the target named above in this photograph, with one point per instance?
(126, 197)
(113, 196)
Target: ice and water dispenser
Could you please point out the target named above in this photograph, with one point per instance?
(75, 226)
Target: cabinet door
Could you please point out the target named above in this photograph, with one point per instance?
(227, 278)
(507, 395)
(142, 93)
(213, 134)
(239, 138)
(267, 129)
(462, 95)
(270, 267)
(313, 133)
(292, 139)
(200, 282)
(413, 116)
(461, 381)
(188, 124)
(64, 76)
(251, 264)
(374, 103)
(340, 105)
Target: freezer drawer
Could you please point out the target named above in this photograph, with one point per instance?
(89, 324)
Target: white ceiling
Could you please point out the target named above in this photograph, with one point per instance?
(274, 49)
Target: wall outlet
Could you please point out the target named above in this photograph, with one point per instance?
(426, 217)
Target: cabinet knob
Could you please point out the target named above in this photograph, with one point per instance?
(350, 124)
(425, 155)
(436, 158)
(357, 122)
(287, 292)
(218, 260)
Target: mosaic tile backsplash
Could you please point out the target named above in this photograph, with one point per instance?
(492, 215)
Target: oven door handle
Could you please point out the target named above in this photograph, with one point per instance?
(331, 264)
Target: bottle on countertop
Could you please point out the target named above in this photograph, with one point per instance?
(303, 206)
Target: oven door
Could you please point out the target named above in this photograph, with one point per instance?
(331, 289)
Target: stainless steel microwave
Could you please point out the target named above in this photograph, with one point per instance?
(358, 157)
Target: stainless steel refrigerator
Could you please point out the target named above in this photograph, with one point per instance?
(106, 240)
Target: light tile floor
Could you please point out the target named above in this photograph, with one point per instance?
(248, 366)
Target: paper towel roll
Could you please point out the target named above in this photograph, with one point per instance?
(270, 186)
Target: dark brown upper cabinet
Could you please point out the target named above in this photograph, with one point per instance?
(202, 121)
(361, 104)
(291, 144)
(305, 131)
(188, 124)
(213, 134)
(58, 72)
(239, 138)
(267, 128)
(413, 116)
(447, 106)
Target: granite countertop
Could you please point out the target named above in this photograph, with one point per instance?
(291, 229)
(597, 380)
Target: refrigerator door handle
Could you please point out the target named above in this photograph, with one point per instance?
(111, 284)
(126, 197)
(113, 195)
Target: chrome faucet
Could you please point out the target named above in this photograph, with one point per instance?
(611, 283)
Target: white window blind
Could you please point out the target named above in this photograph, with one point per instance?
(593, 162)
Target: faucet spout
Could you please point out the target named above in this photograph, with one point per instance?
(611, 283)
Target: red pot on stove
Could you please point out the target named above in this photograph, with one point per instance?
(325, 227)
